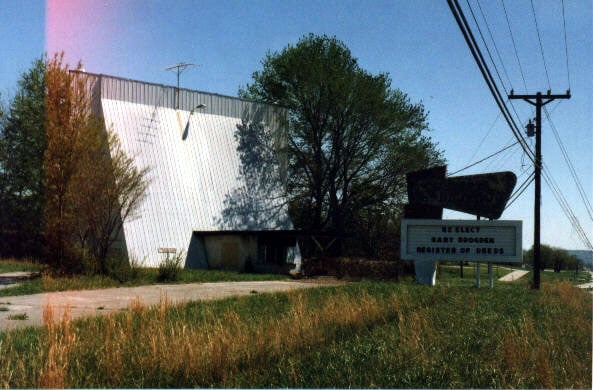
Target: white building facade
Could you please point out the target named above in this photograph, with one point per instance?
(203, 203)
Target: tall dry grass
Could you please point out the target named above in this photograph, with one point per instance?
(524, 351)
(354, 336)
(148, 347)
(59, 340)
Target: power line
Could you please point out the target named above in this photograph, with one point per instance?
(485, 158)
(516, 52)
(486, 74)
(565, 206)
(570, 166)
(541, 47)
(523, 173)
(489, 53)
(562, 202)
(514, 45)
(504, 69)
(500, 161)
(485, 136)
(520, 190)
(565, 45)
(486, 45)
(555, 106)
(497, 52)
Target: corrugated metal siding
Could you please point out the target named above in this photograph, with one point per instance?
(189, 179)
(132, 91)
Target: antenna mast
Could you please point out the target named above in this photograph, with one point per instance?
(179, 68)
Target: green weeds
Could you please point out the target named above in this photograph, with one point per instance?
(18, 317)
(576, 277)
(170, 269)
(12, 265)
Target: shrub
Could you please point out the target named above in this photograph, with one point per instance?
(18, 317)
(118, 268)
(356, 268)
(135, 267)
(170, 268)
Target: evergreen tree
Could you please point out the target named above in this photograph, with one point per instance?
(22, 143)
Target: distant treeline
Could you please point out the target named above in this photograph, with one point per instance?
(557, 259)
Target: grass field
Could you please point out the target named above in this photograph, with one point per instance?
(366, 334)
(9, 265)
(450, 275)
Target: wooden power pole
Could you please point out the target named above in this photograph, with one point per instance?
(538, 100)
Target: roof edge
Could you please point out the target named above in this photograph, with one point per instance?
(159, 85)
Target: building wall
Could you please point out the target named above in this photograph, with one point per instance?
(230, 251)
(194, 169)
(240, 251)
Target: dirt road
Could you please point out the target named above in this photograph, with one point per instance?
(27, 310)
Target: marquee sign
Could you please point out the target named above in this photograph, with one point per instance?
(485, 194)
(462, 240)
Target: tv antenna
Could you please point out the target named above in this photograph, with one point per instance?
(179, 68)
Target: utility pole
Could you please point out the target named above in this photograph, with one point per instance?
(538, 100)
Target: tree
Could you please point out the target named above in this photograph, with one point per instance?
(22, 142)
(106, 190)
(554, 258)
(68, 113)
(351, 138)
(91, 185)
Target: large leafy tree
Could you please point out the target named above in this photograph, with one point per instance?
(351, 139)
(106, 190)
(66, 185)
(22, 142)
(67, 117)
(91, 185)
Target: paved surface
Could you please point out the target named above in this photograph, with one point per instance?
(105, 301)
(512, 276)
(9, 279)
(587, 285)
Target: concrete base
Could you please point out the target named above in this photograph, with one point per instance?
(426, 271)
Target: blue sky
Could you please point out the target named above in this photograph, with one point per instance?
(417, 42)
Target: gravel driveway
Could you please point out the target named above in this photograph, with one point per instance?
(27, 310)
